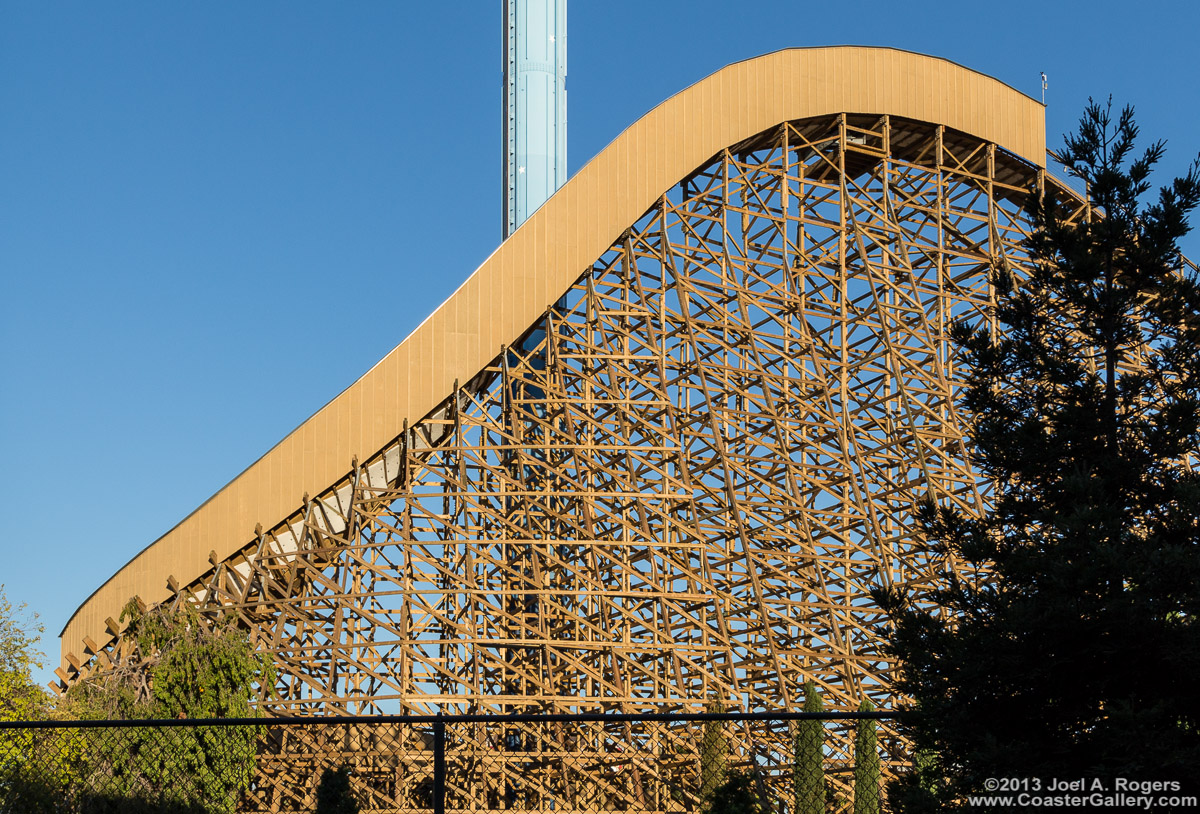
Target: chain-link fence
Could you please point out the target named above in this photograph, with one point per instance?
(714, 762)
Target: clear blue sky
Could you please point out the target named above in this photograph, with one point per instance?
(216, 216)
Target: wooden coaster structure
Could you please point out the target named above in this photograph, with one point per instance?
(678, 485)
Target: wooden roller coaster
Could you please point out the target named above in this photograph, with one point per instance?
(661, 447)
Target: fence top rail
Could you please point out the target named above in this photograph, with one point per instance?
(466, 718)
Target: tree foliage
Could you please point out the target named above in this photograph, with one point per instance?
(334, 795)
(866, 763)
(183, 667)
(20, 697)
(714, 756)
(24, 781)
(739, 794)
(1075, 653)
(808, 756)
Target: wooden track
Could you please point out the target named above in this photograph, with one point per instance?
(661, 446)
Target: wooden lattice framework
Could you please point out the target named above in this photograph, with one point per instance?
(682, 483)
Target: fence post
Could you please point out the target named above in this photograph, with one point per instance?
(439, 765)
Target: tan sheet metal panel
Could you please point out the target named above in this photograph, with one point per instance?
(528, 271)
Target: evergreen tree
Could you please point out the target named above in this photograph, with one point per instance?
(714, 756)
(808, 761)
(1076, 651)
(866, 764)
(738, 795)
(334, 795)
